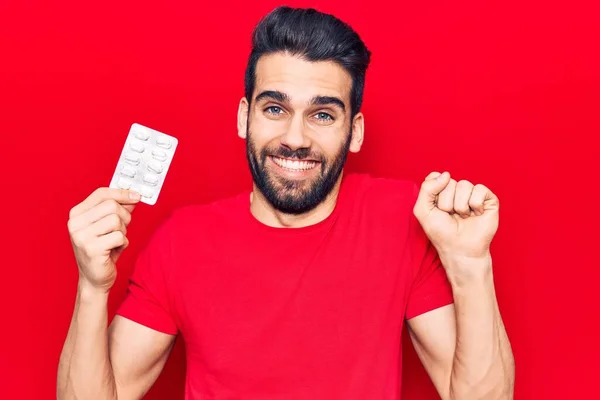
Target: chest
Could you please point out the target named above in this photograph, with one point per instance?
(288, 301)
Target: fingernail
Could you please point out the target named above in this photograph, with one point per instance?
(134, 196)
(441, 177)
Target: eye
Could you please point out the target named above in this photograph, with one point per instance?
(274, 110)
(323, 116)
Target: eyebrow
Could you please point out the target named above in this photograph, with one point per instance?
(274, 95)
(328, 100)
(315, 101)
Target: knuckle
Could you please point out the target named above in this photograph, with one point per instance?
(112, 205)
(462, 208)
(75, 239)
(115, 221)
(445, 206)
(482, 188)
(116, 238)
(426, 185)
(78, 240)
(433, 174)
(124, 213)
(120, 236)
(418, 213)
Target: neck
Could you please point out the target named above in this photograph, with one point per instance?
(264, 212)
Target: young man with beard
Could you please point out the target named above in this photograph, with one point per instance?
(300, 288)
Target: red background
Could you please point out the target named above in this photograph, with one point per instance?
(504, 94)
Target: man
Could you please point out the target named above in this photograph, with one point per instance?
(299, 289)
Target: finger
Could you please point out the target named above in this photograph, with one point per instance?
(119, 249)
(432, 175)
(461, 198)
(112, 241)
(129, 207)
(480, 195)
(445, 200)
(121, 196)
(107, 224)
(98, 212)
(430, 189)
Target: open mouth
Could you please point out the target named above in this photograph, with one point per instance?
(295, 165)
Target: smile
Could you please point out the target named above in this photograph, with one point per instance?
(294, 165)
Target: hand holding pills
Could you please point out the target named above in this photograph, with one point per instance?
(98, 231)
(98, 225)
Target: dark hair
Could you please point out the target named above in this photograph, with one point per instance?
(314, 36)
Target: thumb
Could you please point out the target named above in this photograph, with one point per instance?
(431, 187)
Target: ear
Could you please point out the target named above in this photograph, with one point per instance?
(358, 132)
(242, 118)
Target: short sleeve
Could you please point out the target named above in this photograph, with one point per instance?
(430, 288)
(149, 290)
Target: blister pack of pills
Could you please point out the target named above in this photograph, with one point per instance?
(144, 162)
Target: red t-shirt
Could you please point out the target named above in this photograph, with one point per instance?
(291, 313)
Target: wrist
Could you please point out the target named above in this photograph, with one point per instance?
(88, 292)
(465, 271)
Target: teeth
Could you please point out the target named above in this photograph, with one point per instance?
(295, 165)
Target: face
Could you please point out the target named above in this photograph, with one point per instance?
(298, 130)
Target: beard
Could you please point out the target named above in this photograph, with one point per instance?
(295, 196)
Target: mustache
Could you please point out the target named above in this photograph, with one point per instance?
(299, 154)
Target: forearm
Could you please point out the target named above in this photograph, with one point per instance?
(84, 370)
(483, 366)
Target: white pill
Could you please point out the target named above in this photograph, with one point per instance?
(137, 147)
(163, 142)
(124, 183)
(150, 179)
(132, 158)
(142, 135)
(146, 191)
(159, 155)
(155, 167)
(129, 172)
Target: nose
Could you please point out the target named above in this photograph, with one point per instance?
(296, 136)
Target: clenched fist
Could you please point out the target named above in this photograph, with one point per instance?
(98, 231)
(459, 218)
